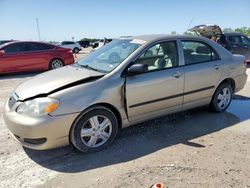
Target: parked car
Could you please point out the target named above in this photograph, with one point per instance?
(74, 46)
(31, 56)
(236, 43)
(96, 43)
(100, 43)
(84, 44)
(87, 103)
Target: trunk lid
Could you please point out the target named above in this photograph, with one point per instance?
(207, 30)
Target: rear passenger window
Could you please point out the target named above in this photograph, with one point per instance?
(198, 52)
(38, 47)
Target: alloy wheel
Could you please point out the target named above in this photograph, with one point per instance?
(224, 98)
(96, 131)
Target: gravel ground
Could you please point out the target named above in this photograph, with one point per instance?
(195, 148)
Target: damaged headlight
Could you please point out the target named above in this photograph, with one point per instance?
(38, 106)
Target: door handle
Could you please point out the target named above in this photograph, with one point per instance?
(177, 74)
(216, 67)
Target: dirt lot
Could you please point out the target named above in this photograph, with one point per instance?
(195, 148)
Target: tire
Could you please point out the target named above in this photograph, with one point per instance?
(221, 98)
(55, 63)
(94, 129)
(76, 50)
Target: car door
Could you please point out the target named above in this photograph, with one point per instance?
(203, 69)
(245, 46)
(160, 89)
(38, 55)
(13, 59)
(236, 46)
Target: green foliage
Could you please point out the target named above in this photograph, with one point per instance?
(243, 30)
(173, 33)
(189, 33)
(89, 39)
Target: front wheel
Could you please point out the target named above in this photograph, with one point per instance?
(222, 98)
(94, 130)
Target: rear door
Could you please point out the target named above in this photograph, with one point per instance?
(160, 89)
(14, 59)
(203, 69)
(68, 44)
(38, 55)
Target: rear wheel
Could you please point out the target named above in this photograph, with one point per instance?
(76, 50)
(222, 98)
(56, 63)
(94, 130)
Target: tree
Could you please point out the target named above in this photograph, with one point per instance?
(188, 33)
(89, 39)
(228, 30)
(243, 30)
(173, 33)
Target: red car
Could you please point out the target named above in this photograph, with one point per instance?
(32, 56)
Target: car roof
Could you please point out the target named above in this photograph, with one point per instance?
(154, 37)
(15, 42)
(67, 41)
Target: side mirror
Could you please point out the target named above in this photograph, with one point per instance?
(2, 52)
(137, 69)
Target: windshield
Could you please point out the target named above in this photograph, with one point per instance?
(108, 57)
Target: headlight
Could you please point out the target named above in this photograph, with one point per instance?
(38, 106)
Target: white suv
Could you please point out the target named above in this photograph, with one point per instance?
(72, 45)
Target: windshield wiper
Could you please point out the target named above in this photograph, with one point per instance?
(91, 68)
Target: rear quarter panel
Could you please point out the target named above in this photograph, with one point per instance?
(64, 54)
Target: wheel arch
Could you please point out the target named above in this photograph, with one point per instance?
(102, 104)
(226, 80)
(230, 81)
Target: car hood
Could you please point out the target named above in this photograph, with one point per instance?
(207, 30)
(55, 80)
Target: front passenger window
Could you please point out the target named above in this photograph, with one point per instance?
(160, 56)
(14, 48)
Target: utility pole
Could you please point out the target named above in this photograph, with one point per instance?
(38, 30)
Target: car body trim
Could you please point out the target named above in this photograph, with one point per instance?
(171, 97)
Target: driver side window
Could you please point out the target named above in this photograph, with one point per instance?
(160, 56)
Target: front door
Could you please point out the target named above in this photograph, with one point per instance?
(160, 89)
(14, 59)
(245, 47)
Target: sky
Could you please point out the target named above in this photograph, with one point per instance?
(63, 19)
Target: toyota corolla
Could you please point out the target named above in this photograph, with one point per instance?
(130, 80)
